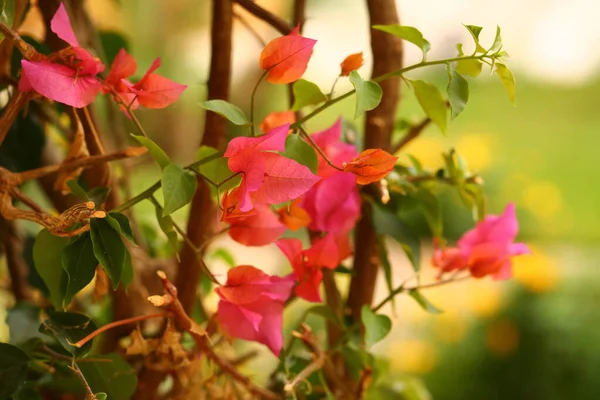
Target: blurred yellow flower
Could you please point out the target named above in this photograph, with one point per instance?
(475, 148)
(413, 356)
(486, 298)
(450, 327)
(538, 272)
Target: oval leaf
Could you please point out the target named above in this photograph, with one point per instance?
(79, 262)
(108, 249)
(159, 155)
(458, 91)
(224, 108)
(508, 80)
(475, 31)
(178, 186)
(409, 34)
(305, 94)
(47, 259)
(423, 302)
(377, 327)
(432, 103)
(111, 375)
(368, 94)
(298, 149)
(120, 223)
(469, 67)
(69, 328)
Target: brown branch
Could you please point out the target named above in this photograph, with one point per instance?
(17, 266)
(11, 111)
(202, 211)
(299, 18)
(411, 135)
(319, 357)
(379, 126)
(250, 29)
(266, 16)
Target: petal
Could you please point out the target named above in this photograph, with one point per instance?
(270, 331)
(235, 322)
(292, 249)
(274, 140)
(323, 253)
(252, 165)
(333, 204)
(259, 229)
(122, 67)
(275, 119)
(157, 91)
(61, 25)
(309, 285)
(57, 82)
(516, 249)
(505, 272)
(286, 58)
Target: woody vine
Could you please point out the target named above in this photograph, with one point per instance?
(335, 199)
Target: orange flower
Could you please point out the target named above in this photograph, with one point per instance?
(294, 216)
(351, 63)
(286, 57)
(371, 165)
(275, 119)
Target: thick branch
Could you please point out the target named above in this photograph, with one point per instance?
(387, 56)
(265, 15)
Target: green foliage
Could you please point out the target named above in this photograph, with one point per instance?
(110, 250)
(22, 148)
(225, 255)
(13, 369)
(120, 223)
(47, 258)
(368, 94)
(423, 302)
(111, 43)
(409, 34)
(432, 210)
(384, 258)
(224, 108)
(157, 153)
(306, 94)
(79, 263)
(68, 328)
(110, 374)
(165, 222)
(432, 102)
(216, 170)
(178, 186)
(376, 326)
(508, 80)
(458, 91)
(298, 149)
(475, 31)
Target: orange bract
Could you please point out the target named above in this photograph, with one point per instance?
(275, 119)
(286, 57)
(371, 165)
(294, 216)
(351, 63)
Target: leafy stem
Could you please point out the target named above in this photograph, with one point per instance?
(318, 149)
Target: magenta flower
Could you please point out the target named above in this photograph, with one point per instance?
(67, 76)
(486, 249)
(251, 306)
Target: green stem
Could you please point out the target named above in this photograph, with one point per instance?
(252, 132)
(380, 78)
(318, 149)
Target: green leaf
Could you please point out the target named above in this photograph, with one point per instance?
(216, 170)
(497, 45)
(226, 256)
(23, 322)
(409, 34)
(158, 154)
(508, 80)
(386, 265)
(377, 327)
(178, 186)
(458, 91)
(432, 103)
(469, 67)
(128, 274)
(298, 149)
(101, 396)
(79, 263)
(232, 112)
(13, 369)
(110, 374)
(112, 42)
(22, 147)
(368, 94)
(76, 189)
(69, 328)
(109, 249)
(475, 31)
(388, 223)
(326, 312)
(423, 302)
(432, 210)
(357, 360)
(47, 258)
(305, 94)
(120, 223)
(166, 225)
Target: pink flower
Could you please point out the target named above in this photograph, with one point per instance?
(67, 76)
(152, 91)
(486, 249)
(251, 306)
(307, 264)
(338, 152)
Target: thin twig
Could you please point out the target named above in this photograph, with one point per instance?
(279, 24)
(318, 149)
(411, 135)
(89, 392)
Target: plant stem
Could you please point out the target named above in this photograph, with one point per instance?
(252, 131)
(318, 149)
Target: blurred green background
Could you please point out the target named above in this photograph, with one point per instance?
(533, 337)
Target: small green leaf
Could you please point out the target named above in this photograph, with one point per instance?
(388, 223)
(508, 80)
(128, 274)
(432, 210)
(298, 149)
(368, 94)
(158, 154)
(409, 34)
(326, 312)
(377, 327)
(69, 328)
(79, 263)
(497, 45)
(166, 225)
(386, 265)
(226, 256)
(305, 94)
(110, 374)
(458, 91)
(47, 258)
(216, 170)
(23, 321)
(120, 223)
(432, 102)
(475, 31)
(76, 189)
(13, 369)
(109, 249)
(423, 302)
(101, 396)
(178, 186)
(469, 67)
(232, 112)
